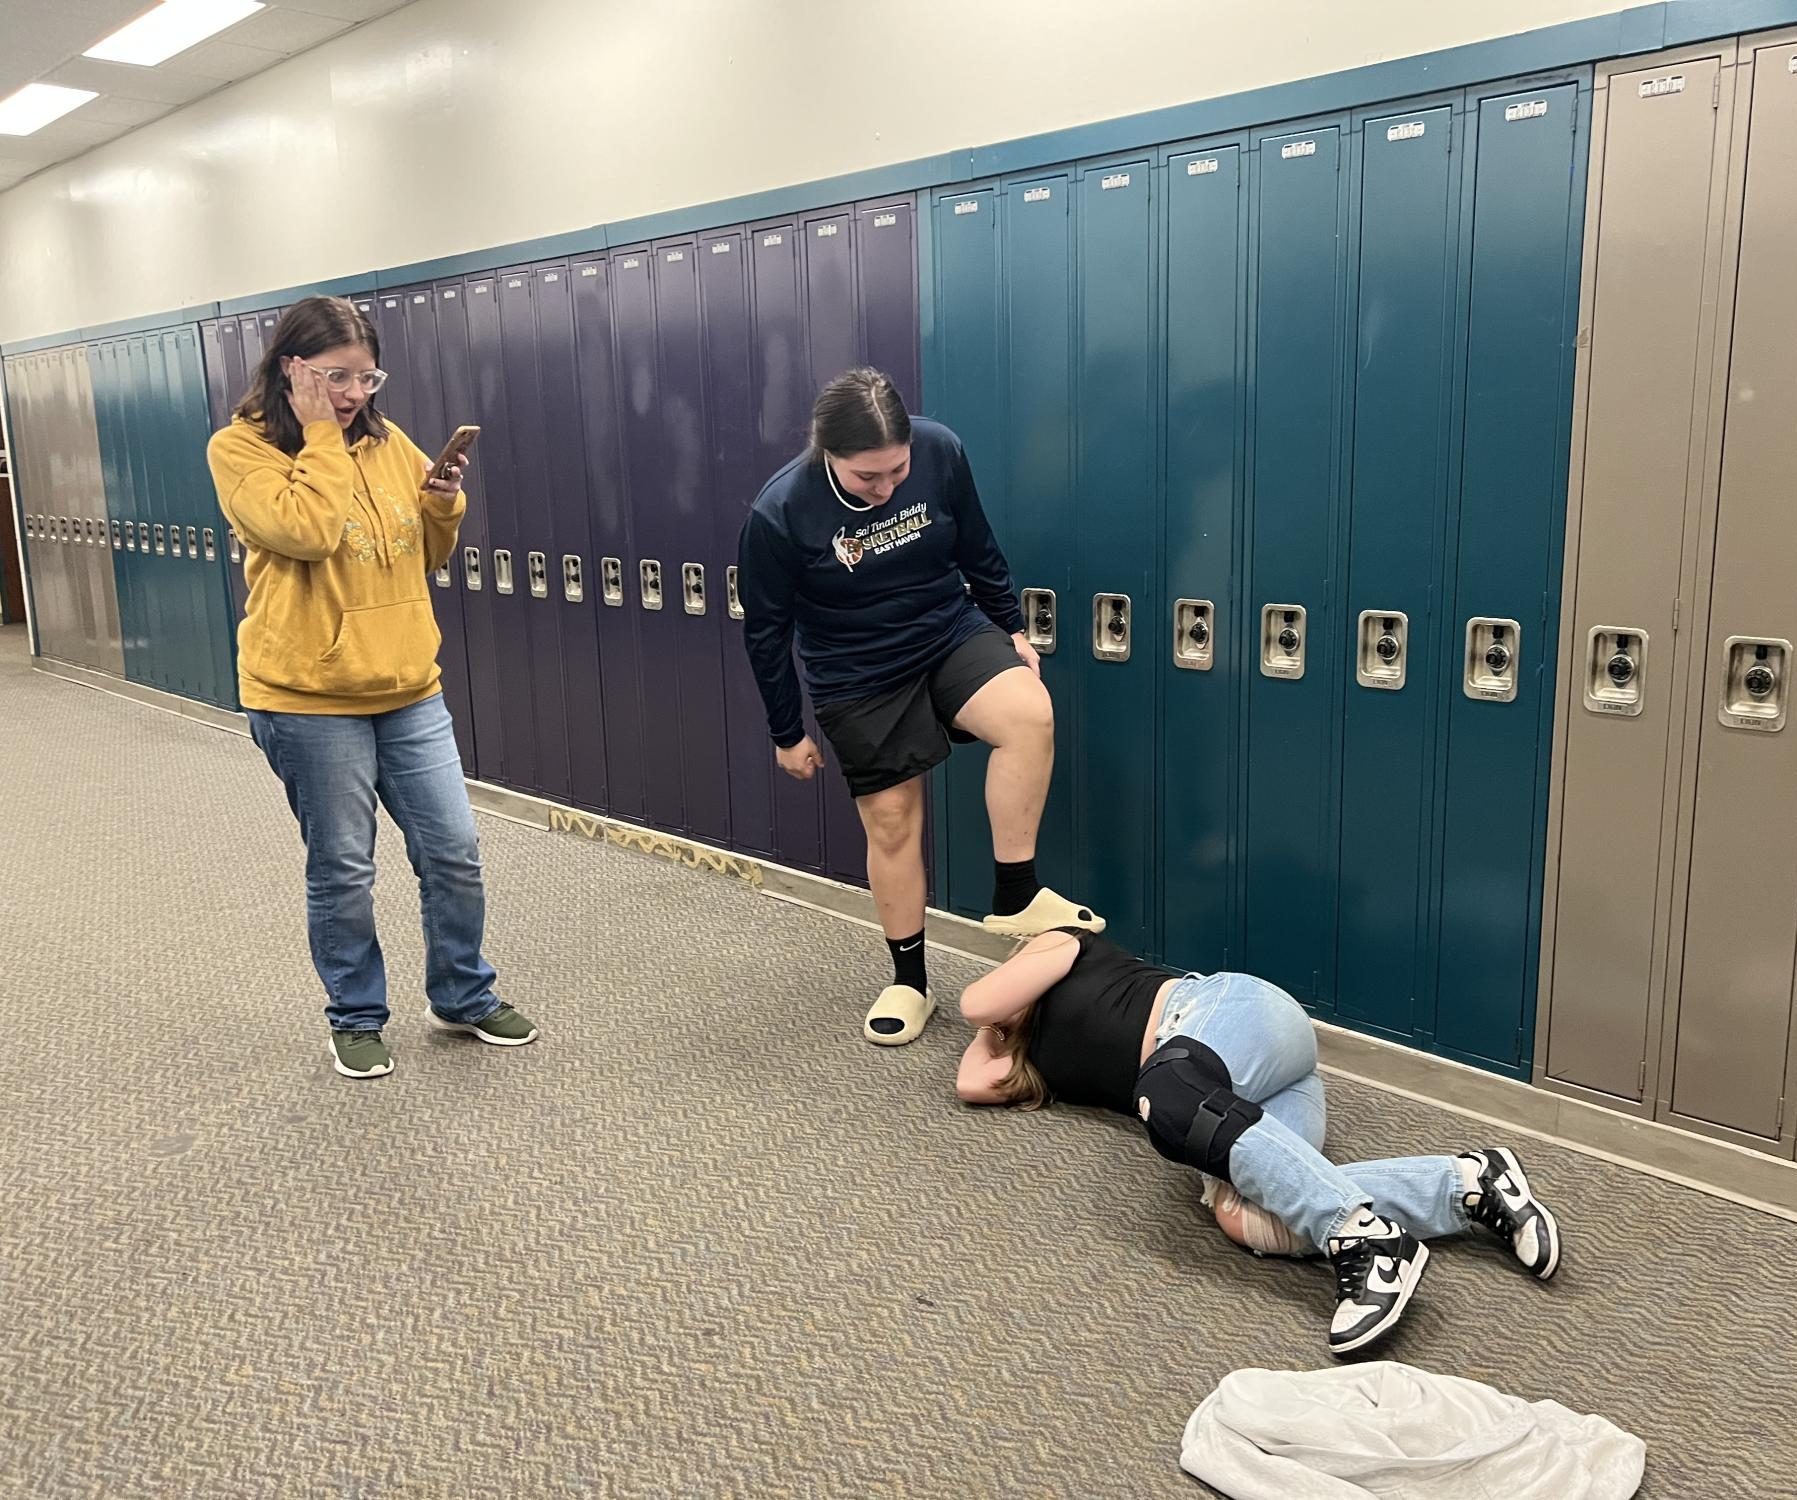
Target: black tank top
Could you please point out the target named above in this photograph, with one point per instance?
(1086, 1031)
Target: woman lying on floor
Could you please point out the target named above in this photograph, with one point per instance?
(1222, 1070)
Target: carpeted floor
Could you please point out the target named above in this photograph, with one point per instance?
(700, 1241)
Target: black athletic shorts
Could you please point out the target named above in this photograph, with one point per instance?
(904, 731)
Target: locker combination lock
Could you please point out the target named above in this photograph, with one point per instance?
(1491, 647)
(1282, 640)
(692, 587)
(1110, 627)
(1383, 658)
(537, 565)
(1756, 674)
(611, 580)
(1194, 634)
(210, 542)
(234, 548)
(193, 541)
(143, 536)
(1615, 670)
(733, 603)
(502, 570)
(161, 542)
(1038, 619)
(118, 541)
(574, 587)
(649, 578)
(471, 579)
(174, 541)
(441, 577)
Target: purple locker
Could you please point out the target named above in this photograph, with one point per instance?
(686, 505)
(735, 480)
(505, 581)
(472, 565)
(570, 553)
(833, 344)
(610, 582)
(654, 587)
(396, 398)
(781, 396)
(535, 530)
(423, 377)
(886, 255)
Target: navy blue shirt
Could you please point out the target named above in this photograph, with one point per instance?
(877, 595)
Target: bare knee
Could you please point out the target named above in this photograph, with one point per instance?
(1029, 720)
(893, 820)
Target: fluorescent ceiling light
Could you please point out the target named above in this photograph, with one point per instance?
(173, 26)
(37, 104)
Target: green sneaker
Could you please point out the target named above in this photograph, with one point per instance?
(360, 1054)
(504, 1028)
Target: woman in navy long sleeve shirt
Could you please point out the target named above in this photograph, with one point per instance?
(872, 548)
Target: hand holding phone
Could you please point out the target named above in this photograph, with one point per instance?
(454, 454)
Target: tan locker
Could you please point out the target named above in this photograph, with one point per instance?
(108, 645)
(1656, 201)
(1731, 1025)
(86, 624)
(36, 465)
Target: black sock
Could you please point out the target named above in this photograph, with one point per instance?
(907, 962)
(1013, 886)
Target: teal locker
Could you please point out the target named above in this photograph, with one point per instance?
(132, 370)
(1289, 853)
(968, 393)
(209, 583)
(1196, 638)
(121, 505)
(1524, 199)
(1039, 364)
(1402, 329)
(1108, 622)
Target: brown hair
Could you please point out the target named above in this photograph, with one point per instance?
(857, 412)
(307, 329)
(1024, 1086)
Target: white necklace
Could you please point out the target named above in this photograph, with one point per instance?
(830, 473)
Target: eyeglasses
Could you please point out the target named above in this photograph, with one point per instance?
(341, 380)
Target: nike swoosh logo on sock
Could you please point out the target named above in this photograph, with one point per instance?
(910, 947)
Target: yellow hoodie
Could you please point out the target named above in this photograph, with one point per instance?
(341, 543)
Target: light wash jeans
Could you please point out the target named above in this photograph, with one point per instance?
(1266, 1041)
(334, 767)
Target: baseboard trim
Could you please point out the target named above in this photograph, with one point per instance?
(1719, 1168)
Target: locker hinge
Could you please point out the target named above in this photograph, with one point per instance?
(1778, 1129)
(1676, 604)
(1641, 1086)
(1716, 91)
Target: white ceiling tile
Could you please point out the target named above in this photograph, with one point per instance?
(78, 132)
(164, 85)
(127, 112)
(226, 61)
(348, 10)
(280, 29)
(41, 33)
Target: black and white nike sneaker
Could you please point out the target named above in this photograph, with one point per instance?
(1504, 1204)
(1378, 1264)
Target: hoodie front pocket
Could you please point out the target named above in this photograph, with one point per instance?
(385, 648)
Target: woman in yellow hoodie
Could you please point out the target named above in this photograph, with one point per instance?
(337, 669)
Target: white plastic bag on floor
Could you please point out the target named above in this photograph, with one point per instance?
(1399, 1433)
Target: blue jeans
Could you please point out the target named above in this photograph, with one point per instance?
(334, 766)
(1266, 1041)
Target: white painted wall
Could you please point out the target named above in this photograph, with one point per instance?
(454, 125)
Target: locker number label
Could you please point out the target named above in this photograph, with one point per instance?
(825, 231)
(1037, 195)
(631, 263)
(675, 257)
(885, 221)
(1410, 130)
(1655, 88)
(422, 297)
(1534, 109)
(1293, 149)
(589, 270)
(449, 295)
(722, 247)
(969, 206)
(768, 241)
(1115, 180)
(1203, 167)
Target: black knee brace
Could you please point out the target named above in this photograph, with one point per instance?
(1188, 1102)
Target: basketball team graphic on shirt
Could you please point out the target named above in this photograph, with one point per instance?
(879, 537)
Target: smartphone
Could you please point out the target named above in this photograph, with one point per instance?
(460, 442)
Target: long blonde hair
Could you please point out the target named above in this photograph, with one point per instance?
(1023, 1087)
